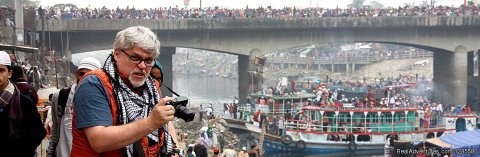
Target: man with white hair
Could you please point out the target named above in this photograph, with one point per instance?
(21, 129)
(118, 109)
(62, 109)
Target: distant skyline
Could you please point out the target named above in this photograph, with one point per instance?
(238, 3)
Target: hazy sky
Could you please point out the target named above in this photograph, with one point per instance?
(235, 3)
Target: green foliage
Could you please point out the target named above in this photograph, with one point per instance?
(356, 3)
(63, 5)
(425, 3)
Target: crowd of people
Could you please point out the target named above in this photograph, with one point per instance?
(248, 12)
(401, 91)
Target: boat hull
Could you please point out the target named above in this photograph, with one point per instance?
(273, 143)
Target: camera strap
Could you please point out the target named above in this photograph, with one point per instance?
(169, 89)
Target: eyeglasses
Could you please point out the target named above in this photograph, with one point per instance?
(137, 60)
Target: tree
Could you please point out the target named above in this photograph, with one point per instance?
(425, 3)
(408, 4)
(64, 5)
(356, 4)
(376, 5)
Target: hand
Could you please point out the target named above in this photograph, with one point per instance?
(161, 114)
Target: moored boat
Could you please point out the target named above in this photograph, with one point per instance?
(295, 124)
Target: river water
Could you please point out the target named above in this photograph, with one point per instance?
(204, 89)
(201, 89)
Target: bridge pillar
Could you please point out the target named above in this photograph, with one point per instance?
(450, 76)
(333, 68)
(347, 69)
(473, 84)
(243, 81)
(165, 58)
(353, 68)
(470, 69)
(478, 62)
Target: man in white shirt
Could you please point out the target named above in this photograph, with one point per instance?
(62, 114)
(209, 111)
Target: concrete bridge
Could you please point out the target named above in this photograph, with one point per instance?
(452, 39)
(336, 63)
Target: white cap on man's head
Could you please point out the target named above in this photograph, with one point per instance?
(5, 59)
(89, 63)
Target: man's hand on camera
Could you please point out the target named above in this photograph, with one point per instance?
(161, 114)
(176, 152)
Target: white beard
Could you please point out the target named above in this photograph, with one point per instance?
(136, 83)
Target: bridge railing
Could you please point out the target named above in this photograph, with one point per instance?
(344, 59)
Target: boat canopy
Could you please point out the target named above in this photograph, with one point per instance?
(465, 140)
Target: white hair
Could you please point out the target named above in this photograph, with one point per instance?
(138, 36)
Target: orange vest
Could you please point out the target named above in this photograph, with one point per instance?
(81, 147)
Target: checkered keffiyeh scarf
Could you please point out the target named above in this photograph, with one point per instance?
(133, 107)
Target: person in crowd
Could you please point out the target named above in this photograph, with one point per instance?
(253, 151)
(229, 152)
(200, 114)
(243, 153)
(209, 111)
(62, 107)
(200, 149)
(118, 109)
(45, 81)
(216, 152)
(226, 110)
(19, 79)
(157, 72)
(221, 140)
(214, 133)
(190, 152)
(257, 149)
(21, 129)
(34, 77)
(48, 121)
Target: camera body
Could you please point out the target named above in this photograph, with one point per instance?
(181, 110)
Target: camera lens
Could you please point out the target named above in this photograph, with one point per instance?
(183, 113)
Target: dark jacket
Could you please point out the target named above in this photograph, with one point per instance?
(27, 89)
(32, 131)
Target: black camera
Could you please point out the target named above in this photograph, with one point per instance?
(181, 110)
